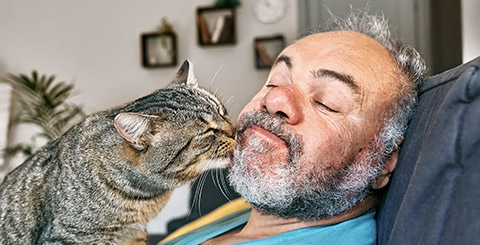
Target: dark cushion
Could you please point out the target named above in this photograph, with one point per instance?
(434, 195)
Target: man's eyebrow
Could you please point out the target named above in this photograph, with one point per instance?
(285, 59)
(345, 78)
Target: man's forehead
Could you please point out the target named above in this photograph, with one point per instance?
(343, 37)
(340, 45)
(343, 51)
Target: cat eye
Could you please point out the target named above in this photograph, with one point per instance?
(211, 130)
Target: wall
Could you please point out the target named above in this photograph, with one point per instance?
(409, 19)
(4, 115)
(445, 35)
(95, 44)
(400, 14)
(470, 30)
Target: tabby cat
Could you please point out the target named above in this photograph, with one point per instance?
(105, 178)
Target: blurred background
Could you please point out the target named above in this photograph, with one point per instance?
(114, 51)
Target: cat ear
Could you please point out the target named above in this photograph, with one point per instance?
(185, 75)
(133, 128)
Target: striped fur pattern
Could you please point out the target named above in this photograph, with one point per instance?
(104, 179)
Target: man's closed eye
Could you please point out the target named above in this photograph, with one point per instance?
(325, 107)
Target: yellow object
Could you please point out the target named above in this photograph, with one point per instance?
(220, 212)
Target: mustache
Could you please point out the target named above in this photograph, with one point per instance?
(273, 124)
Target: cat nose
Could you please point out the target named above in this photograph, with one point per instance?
(231, 131)
(283, 102)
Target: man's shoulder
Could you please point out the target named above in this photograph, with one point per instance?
(360, 230)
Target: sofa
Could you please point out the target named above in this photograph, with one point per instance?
(434, 193)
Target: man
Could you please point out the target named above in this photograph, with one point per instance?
(317, 142)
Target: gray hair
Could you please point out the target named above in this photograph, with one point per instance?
(410, 65)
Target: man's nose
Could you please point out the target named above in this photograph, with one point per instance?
(284, 102)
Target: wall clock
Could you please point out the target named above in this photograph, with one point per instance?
(269, 11)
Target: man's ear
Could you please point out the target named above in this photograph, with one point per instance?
(387, 171)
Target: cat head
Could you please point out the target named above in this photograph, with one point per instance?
(177, 132)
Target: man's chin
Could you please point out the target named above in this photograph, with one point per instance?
(262, 163)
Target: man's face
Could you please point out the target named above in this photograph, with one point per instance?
(313, 126)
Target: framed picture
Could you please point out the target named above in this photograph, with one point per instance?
(267, 49)
(159, 50)
(215, 26)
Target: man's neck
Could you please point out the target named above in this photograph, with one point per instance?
(261, 226)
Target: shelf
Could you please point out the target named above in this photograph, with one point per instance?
(215, 26)
(267, 49)
(159, 49)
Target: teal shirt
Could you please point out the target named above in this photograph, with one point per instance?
(358, 231)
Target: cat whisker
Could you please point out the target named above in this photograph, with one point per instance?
(224, 184)
(198, 194)
(229, 99)
(222, 95)
(202, 185)
(195, 194)
(216, 90)
(222, 99)
(219, 184)
(215, 75)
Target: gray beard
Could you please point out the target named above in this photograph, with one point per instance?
(276, 188)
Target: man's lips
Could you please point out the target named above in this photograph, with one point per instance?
(267, 135)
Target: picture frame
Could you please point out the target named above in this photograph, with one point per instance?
(159, 50)
(267, 49)
(216, 26)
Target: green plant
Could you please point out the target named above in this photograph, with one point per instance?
(227, 3)
(41, 102)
